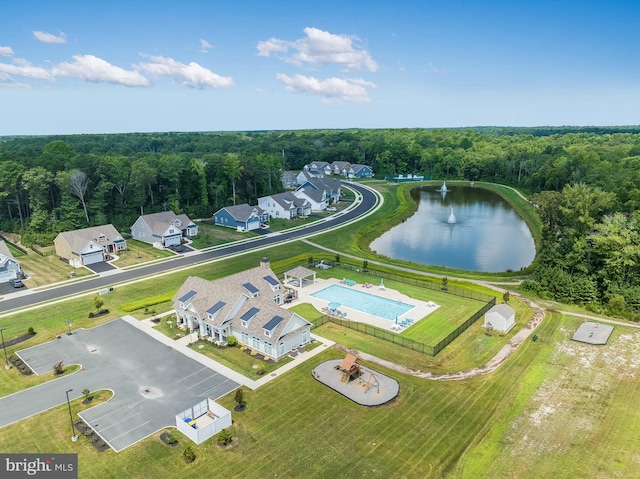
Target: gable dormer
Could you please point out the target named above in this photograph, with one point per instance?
(186, 299)
(213, 310)
(273, 282)
(273, 323)
(251, 289)
(177, 223)
(246, 318)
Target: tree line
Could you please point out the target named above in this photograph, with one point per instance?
(584, 182)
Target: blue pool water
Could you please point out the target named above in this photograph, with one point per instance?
(365, 302)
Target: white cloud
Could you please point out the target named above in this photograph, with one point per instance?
(205, 46)
(94, 69)
(23, 68)
(272, 45)
(320, 47)
(349, 90)
(45, 37)
(6, 52)
(192, 75)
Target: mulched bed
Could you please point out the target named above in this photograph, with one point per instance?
(20, 365)
(17, 340)
(259, 356)
(95, 440)
(164, 437)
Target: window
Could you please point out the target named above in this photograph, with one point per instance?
(304, 336)
(267, 333)
(256, 343)
(282, 348)
(245, 338)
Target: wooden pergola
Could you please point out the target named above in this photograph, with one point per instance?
(298, 274)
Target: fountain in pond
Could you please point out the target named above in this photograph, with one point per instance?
(443, 188)
(452, 218)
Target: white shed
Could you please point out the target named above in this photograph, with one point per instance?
(501, 318)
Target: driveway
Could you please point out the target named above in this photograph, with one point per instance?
(152, 382)
(102, 267)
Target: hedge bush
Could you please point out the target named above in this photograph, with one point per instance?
(145, 303)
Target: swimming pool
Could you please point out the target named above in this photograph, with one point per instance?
(365, 302)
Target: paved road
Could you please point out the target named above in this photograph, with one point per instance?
(368, 202)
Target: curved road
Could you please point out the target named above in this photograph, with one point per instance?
(369, 200)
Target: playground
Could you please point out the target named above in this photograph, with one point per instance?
(363, 386)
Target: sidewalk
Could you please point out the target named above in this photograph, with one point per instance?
(182, 345)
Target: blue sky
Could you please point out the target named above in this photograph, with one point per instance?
(137, 66)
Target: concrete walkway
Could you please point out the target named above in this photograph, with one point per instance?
(182, 345)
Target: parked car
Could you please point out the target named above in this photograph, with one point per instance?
(16, 283)
(332, 209)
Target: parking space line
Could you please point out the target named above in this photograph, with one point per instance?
(129, 431)
(128, 418)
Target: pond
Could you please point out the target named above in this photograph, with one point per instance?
(464, 228)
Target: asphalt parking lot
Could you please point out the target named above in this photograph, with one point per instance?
(151, 382)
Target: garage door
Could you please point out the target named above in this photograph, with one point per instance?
(92, 258)
(172, 240)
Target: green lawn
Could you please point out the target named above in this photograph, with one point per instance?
(211, 235)
(295, 427)
(45, 270)
(140, 252)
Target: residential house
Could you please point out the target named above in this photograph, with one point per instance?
(359, 171)
(340, 167)
(500, 317)
(318, 168)
(163, 229)
(289, 179)
(285, 205)
(245, 305)
(241, 217)
(9, 266)
(89, 245)
(320, 192)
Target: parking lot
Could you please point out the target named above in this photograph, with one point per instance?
(151, 381)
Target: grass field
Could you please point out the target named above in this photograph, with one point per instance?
(140, 252)
(44, 270)
(550, 410)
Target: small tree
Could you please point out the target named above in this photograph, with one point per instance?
(224, 437)
(58, 368)
(445, 282)
(232, 341)
(86, 393)
(98, 302)
(239, 397)
(310, 260)
(365, 265)
(506, 296)
(337, 258)
(188, 454)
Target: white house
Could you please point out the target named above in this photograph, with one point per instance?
(285, 205)
(245, 305)
(163, 229)
(500, 318)
(9, 267)
(318, 168)
(320, 192)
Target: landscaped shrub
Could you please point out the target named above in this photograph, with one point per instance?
(31, 331)
(188, 454)
(224, 437)
(232, 341)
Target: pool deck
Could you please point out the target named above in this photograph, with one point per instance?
(420, 310)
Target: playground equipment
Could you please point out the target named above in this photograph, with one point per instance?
(350, 368)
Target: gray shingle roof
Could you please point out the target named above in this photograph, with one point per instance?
(159, 222)
(78, 239)
(237, 303)
(244, 211)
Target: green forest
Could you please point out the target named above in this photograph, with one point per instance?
(584, 183)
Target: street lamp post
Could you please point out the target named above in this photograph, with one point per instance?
(69, 323)
(4, 346)
(74, 438)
